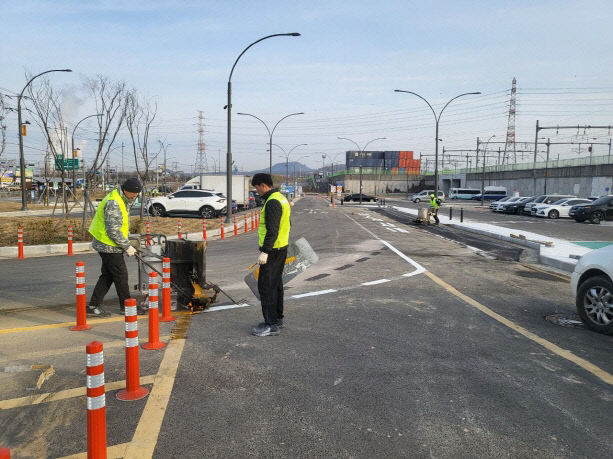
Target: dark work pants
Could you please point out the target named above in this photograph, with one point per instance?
(434, 213)
(114, 271)
(270, 286)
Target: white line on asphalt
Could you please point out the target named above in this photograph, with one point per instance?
(229, 306)
(380, 281)
(320, 292)
(418, 268)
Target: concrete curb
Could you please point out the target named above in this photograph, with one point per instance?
(30, 251)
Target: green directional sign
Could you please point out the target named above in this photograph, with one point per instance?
(66, 164)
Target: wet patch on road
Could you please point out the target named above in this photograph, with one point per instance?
(539, 275)
(319, 276)
(360, 260)
(341, 268)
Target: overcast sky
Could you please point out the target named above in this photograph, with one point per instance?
(341, 72)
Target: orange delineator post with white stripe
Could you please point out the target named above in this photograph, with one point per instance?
(96, 402)
(69, 240)
(20, 243)
(252, 222)
(179, 225)
(221, 229)
(148, 237)
(235, 227)
(81, 299)
(204, 229)
(246, 224)
(166, 314)
(133, 390)
(154, 325)
(257, 220)
(5, 453)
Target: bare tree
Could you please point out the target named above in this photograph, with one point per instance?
(140, 116)
(110, 99)
(47, 103)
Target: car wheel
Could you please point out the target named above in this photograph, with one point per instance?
(596, 217)
(553, 214)
(207, 212)
(157, 210)
(417, 200)
(595, 304)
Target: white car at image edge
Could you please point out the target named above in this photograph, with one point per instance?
(557, 209)
(592, 284)
(204, 203)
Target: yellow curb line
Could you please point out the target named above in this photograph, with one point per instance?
(586, 365)
(69, 324)
(65, 394)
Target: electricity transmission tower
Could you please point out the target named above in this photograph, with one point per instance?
(509, 146)
(201, 165)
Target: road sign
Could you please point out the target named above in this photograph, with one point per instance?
(66, 164)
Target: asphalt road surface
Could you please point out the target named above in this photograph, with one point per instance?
(400, 342)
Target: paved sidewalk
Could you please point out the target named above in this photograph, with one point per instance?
(560, 254)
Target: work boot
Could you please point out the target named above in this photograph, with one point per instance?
(265, 330)
(96, 311)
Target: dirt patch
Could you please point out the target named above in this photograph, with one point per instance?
(46, 230)
(10, 206)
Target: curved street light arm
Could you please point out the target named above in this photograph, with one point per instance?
(259, 119)
(451, 100)
(90, 116)
(371, 141)
(279, 146)
(293, 34)
(355, 143)
(415, 94)
(287, 116)
(36, 76)
(296, 146)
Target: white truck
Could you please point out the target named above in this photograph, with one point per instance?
(241, 185)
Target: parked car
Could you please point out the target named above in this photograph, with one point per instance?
(425, 196)
(356, 197)
(491, 193)
(595, 212)
(256, 199)
(501, 200)
(557, 209)
(544, 199)
(497, 206)
(516, 207)
(204, 203)
(592, 284)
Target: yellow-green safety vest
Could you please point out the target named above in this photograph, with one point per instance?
(433, 203)
(284, 225)
(97, 227)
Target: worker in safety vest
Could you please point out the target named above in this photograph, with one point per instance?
(434, 205)
(110, 230)
(273, 239)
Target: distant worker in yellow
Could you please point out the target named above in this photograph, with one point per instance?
(435, 203)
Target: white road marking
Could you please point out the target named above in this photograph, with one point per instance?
(319, 292)
(229, 306)
(375, 282)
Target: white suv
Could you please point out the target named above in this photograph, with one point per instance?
(205, 203)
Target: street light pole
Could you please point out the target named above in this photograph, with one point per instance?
(22, 161)
(270, 133)
(361, 150)
(437, 118)
(229, 133)
(483, 169)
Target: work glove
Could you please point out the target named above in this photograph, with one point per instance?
(130, 251)
(263, 258)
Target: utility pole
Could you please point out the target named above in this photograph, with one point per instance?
(122, 168)
(546, 167)
(201, 156)
(536, 143)
(360, 185)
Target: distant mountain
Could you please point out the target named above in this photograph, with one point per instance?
(280, 169)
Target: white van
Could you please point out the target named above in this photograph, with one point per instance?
(425, 196)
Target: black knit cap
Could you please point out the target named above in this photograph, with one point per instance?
(132, 185)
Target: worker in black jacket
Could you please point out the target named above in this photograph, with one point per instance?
(273, 239)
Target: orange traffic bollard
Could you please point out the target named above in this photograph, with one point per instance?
(252, 222)
(5, 453)
(235, 227)
(69, 240)
(133, 390)
(179, 224)
(20, 243)
(221, 229)
(246, 224)
(154, 326)
(204, 229)
(96, 402)
(81, 300)
(166, 314)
